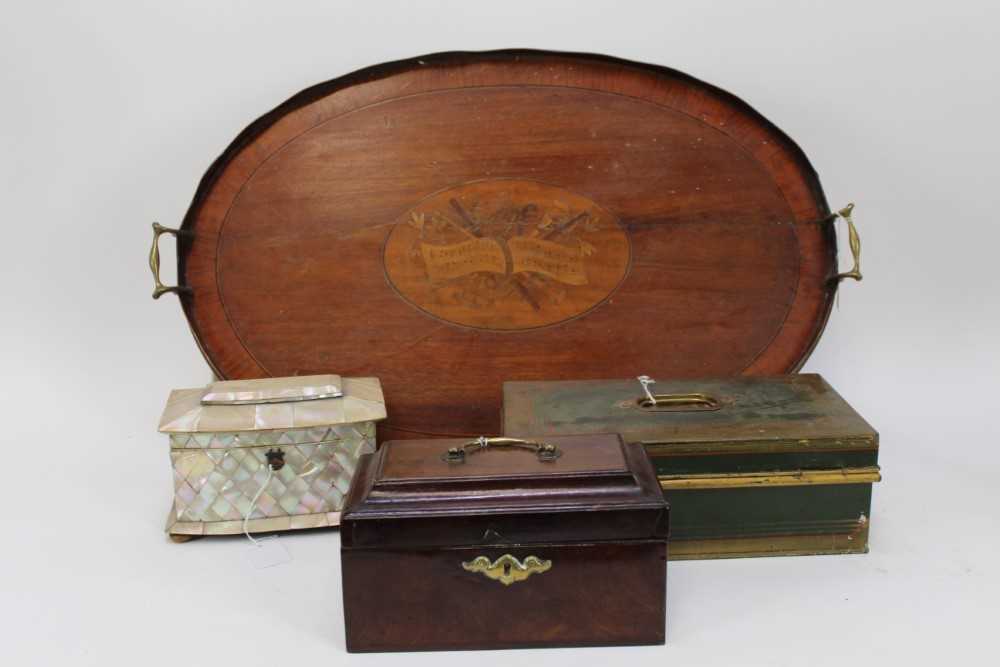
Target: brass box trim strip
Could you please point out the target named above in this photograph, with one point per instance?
(867, 475)
(855, 542)
(664, 449)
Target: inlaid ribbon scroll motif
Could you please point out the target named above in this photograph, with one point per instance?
(506, 254)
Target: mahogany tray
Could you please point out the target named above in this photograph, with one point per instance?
(454, 221)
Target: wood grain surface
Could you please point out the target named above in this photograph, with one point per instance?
(451, 222)
(594, 595)
(413, 523)
(600, 489)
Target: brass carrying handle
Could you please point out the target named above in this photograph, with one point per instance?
(673, 402)
(853, 239)
(159, 289)
(543, 450)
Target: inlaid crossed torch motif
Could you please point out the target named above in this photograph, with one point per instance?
(525, 249)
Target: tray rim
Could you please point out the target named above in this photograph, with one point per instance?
(460, 58)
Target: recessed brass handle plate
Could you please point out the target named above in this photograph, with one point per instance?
(159, 289)
(507, 569)
(676, 403)
(651, 402)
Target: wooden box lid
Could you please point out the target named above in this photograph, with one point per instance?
(424, 493)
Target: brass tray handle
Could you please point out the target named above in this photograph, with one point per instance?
(671, 402)
(854, 240)
(159, 289)
(543, 450)
(507, 569)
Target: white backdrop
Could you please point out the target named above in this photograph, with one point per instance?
(111, 112)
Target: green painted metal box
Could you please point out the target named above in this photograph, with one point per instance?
(751, 466)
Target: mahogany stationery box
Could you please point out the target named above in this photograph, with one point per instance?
(504, 543)
(266, 455)
(752, 466)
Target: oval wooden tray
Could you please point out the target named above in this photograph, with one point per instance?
(454, 221)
